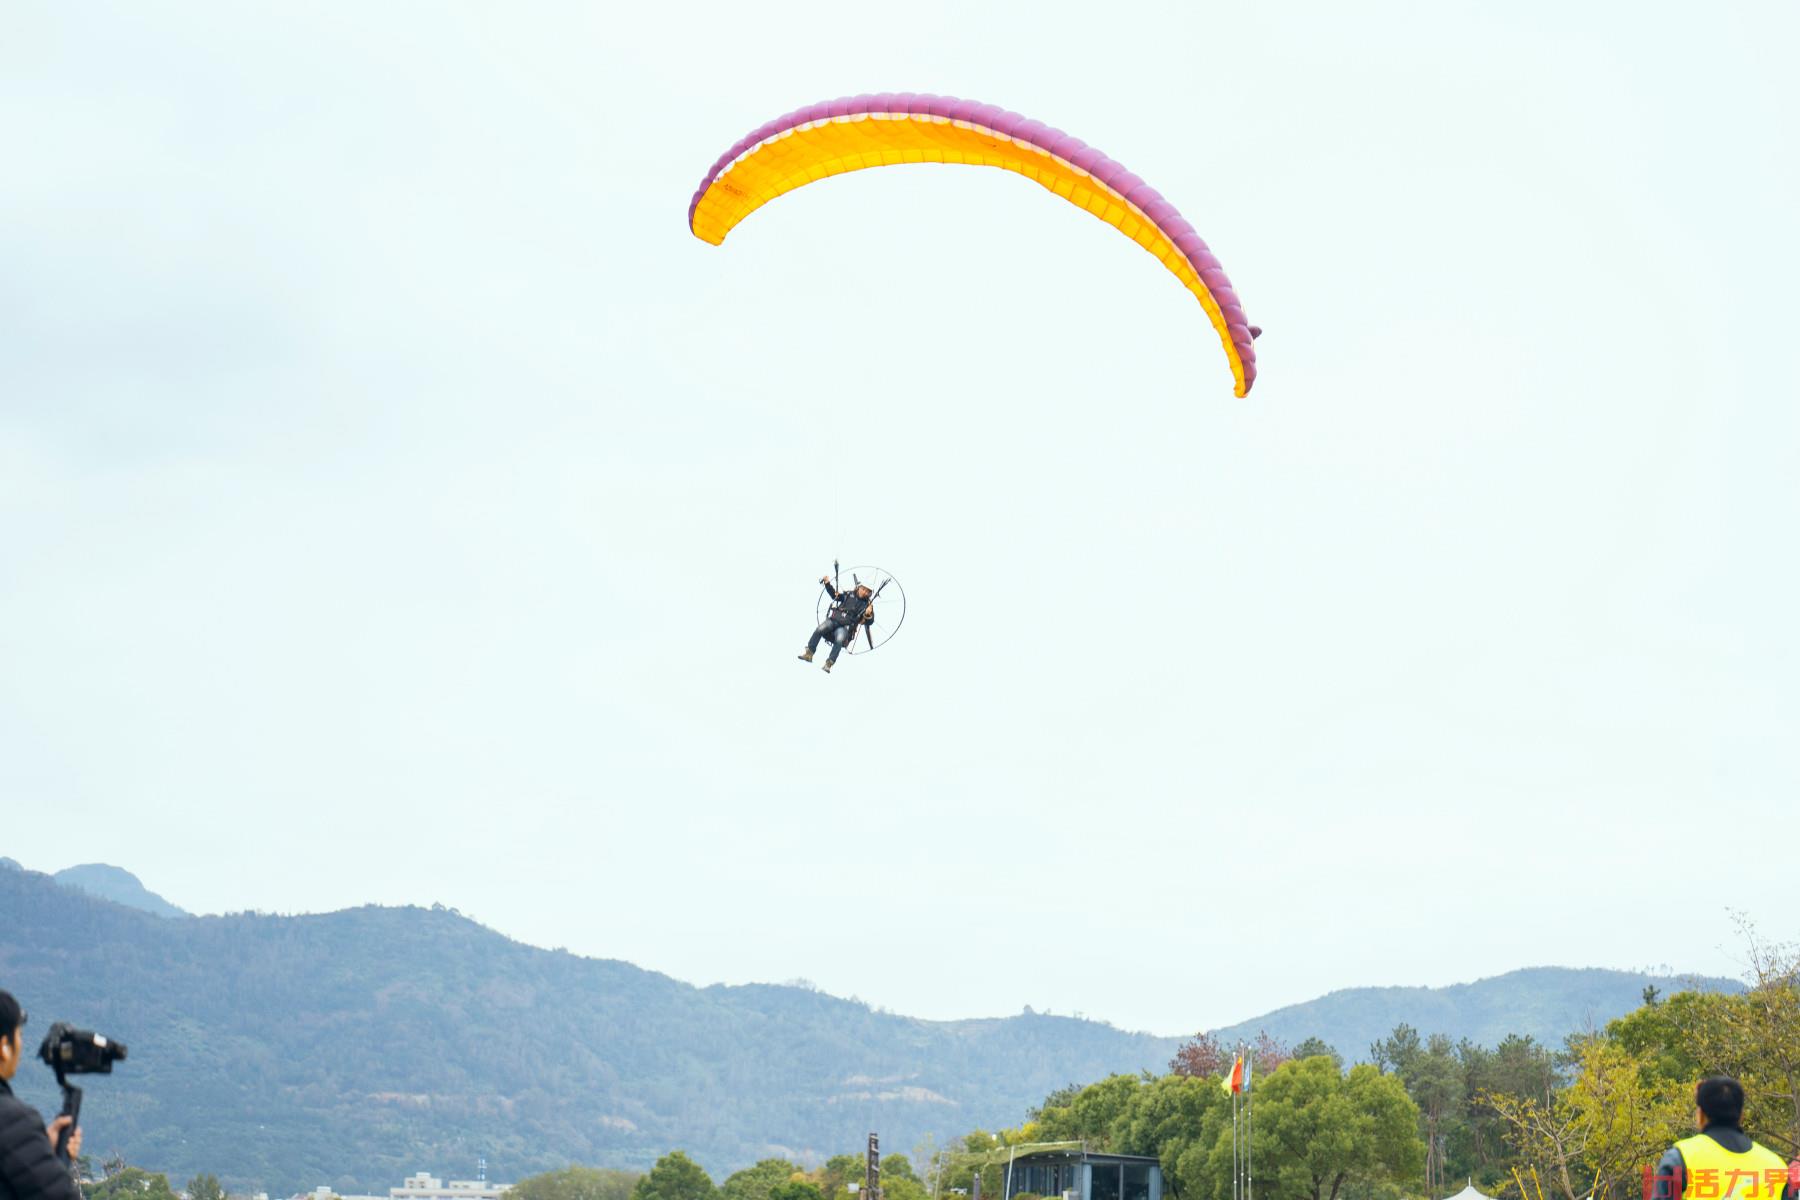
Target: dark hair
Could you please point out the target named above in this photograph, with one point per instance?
(11, 1015)
(1721, 1098)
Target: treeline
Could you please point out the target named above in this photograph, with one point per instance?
(1418, 1117)
(678, 1177)
(114, 1179)
(1422, 1114)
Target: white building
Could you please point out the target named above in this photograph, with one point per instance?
(425, 1187)
(325, 1193)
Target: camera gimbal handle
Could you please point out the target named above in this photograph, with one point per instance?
(71, 1109)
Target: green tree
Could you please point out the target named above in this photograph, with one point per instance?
(204, 1187)
(977, 1152)
(1397, 1051)
(1521, 1067)
(1062, 1097)
(1313, 1047)
(756, 1182)
(897, 1166)
(576, 1183)
(840, 1170)
(1435, 1079)
(1593, 1137)
(1668, 1036)
(132, 1183)
(1090, 1114)
(795, 1191)
(675, 1177)
(1518, 1067)
(1318, 1131)
(1168, 1117)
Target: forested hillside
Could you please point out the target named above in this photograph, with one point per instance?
(1546, 1003)
(349, 1048)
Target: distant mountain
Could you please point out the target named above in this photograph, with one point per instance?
(10, 863)
(1548, 1003)
(351, 1048)
(118, 885)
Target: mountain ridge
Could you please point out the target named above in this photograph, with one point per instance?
(118, 885)
(1350, 1019)
(106, 882)
(349, 1048)
(373, 1040)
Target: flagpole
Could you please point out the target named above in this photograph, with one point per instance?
(1234, 1142)
(1250, 1125)
(1243, 1102)
(1237, 1103)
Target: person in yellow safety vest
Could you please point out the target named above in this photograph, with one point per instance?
(1721, 1162)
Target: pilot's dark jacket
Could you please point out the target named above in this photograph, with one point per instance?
(849, 608)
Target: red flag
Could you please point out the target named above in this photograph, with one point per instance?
(1234, 1082)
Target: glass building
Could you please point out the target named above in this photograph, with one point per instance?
(1083, 1175)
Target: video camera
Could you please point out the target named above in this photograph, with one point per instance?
(70, 1051)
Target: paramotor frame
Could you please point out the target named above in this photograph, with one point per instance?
(889, 606)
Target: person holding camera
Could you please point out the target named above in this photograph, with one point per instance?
(29, 1166)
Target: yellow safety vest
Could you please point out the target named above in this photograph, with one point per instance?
(1715, 1173)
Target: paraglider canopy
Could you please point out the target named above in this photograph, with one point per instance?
(892, 128)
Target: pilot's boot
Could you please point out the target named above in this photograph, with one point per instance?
(806, 656)
(828, 666)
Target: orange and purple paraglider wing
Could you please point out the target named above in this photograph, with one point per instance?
(903, 127)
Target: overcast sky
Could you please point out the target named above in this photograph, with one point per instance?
(398, 504)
